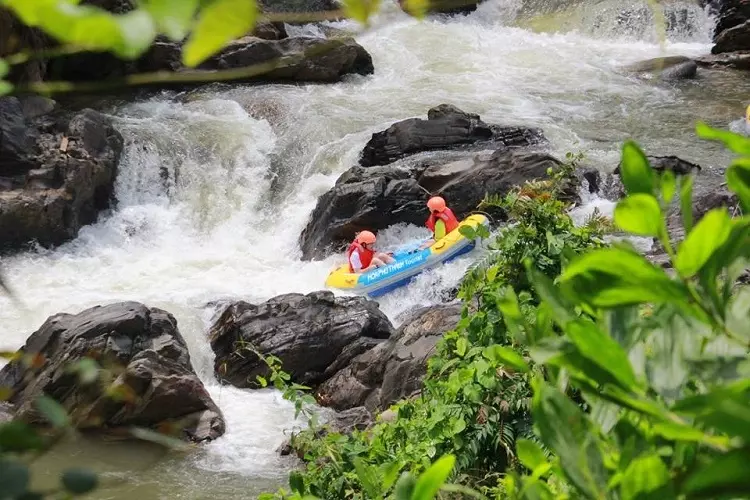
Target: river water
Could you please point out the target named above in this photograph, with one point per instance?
(246, 165)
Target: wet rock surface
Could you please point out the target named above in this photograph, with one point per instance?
(152, 381)
(313, 335)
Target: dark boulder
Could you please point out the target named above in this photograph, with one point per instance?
(448, 7)
(666, 68)
(313, 335)
(376, 197)
(56, 172)
(677, 165)
(733, 39)
(736, 60)
(614, 188)
(704, 200)
(270, 31)
(446, 127)
(151, 380)
(298, 6)
(394, 369)
(307, 59)
(297, 58)
(728, 13)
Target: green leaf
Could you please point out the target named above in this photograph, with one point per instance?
(735, 142)
(619, 277)
(530, 454)
(220, 22)
(635, 170)
(173, 17)
(506, 356)
(87, 369)
(738, 180)
(405, 487)
(137, 30)
(680, 432)
(4, 68)
(706, 237)
(668, 184)
(550, 294)
(297, 482)
(726, 475)
(507, 303)
(5, 88)
(461, 345)
(14, 478)
(262, 381)
(565, 429)
(639, 214)
(53, 411)
(646, 478)
(738, 314)
(599, 348)
(368, 477)
(468, 232)
(360, 10)
(492, 273)
(16, 436)
(389, 474)
(417, 8)
(731, 417)
(79, 481)
(686, 202)
(616, 261)
(432, 479)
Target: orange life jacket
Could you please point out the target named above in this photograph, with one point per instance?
(365, 255)
(447, 217)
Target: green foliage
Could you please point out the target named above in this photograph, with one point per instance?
(591, 374)
(476, 397)
(660, 360)
(220, 22)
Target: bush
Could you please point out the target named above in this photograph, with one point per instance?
(661, 359)
(476, 397)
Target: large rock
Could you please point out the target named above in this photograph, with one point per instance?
(153, 382)
(56, 172)
(449, 7)
(313, 335)
(733, 39)
(308, 59)
(446, 127)
(394, 369)
(666, 68)
(298, 6)
(728, 13)
(376, 197)
(735, 60)
(298, 58)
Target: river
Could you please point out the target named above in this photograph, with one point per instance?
(246, 164)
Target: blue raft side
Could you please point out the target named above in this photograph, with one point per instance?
(411, 261)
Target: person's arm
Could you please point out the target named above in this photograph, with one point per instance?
(355, 262)
(439, 229)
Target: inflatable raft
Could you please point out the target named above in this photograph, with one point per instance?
(407, 265)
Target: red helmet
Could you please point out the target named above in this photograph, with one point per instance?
(436, 204)
(365, 237)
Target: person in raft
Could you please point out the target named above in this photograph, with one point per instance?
(362, 256)
(441, 220)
